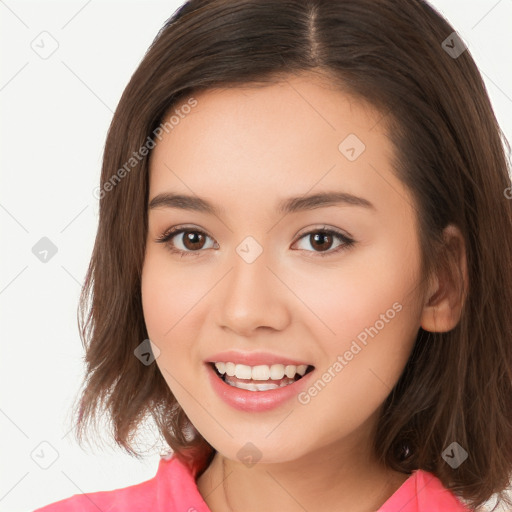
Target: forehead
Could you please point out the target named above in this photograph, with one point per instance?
(254, 144)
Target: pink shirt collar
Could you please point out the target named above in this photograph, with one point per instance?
(174, 489)
(421, 492)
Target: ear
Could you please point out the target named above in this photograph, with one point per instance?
(448, 287)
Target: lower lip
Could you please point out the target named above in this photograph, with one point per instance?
(255, 401)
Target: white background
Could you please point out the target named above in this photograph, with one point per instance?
(55, 115)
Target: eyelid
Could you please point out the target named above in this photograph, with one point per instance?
(347, 240)
(324, 228)
(169, 234)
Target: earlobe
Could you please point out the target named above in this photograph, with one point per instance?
(447, 292)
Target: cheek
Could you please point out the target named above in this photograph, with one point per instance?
(170, 293)
(371, 306)
(173, 301)
(166, 299)
(375, 288)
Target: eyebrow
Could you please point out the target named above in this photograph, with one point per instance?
(288, 205)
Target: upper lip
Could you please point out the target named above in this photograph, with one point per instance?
(253, 358)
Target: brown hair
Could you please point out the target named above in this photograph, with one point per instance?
(457, 385)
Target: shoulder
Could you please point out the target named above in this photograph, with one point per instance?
(172, 488)
(423, 492)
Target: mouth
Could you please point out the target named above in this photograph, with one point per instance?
(261, 377)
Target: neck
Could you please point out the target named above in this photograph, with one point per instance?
(330, 478)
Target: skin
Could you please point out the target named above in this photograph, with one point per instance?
(244, 149)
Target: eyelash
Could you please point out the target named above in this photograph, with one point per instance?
(171, 233)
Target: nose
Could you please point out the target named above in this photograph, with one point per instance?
(254, 297)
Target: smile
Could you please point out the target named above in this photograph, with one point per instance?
(261, 377)
(257, 381)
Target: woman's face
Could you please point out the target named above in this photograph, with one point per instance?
(261, 278)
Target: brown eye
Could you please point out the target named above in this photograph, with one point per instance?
(193, 240)
(186, 241)
(321, 240)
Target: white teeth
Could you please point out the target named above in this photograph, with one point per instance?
(242, 371)
(260, 372)
(221, 367)
(301, 369)
(230, 369)
(251, 386)
(290, 371)
(277, 372)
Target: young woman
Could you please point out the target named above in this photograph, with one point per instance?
(303, 270)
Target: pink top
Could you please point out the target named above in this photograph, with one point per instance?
(173, 489)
